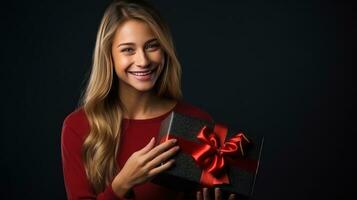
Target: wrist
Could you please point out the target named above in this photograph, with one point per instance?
(120, 187)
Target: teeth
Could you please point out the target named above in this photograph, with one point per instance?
(141, 73)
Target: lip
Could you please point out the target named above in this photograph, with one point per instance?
(142, 71)
(143, 75)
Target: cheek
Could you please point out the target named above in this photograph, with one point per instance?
(120, 64)
(157, 57)
(160, 60)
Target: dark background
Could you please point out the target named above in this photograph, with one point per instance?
(276, 69)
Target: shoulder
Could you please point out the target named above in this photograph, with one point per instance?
(192, 110)
(76, 122)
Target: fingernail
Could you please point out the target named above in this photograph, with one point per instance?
(174, 140)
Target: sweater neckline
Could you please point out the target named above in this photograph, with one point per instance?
(153, 119)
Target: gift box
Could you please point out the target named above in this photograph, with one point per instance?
(211, 155)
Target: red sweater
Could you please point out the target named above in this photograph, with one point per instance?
(136, 134)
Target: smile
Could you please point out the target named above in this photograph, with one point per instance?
(142, 73)
(146, 75)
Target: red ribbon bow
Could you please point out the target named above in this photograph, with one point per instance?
(214, 153)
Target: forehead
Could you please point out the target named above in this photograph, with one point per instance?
(133, 31)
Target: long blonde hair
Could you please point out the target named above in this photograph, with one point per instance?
(100, 100)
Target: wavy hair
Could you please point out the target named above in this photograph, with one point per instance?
(100, 99)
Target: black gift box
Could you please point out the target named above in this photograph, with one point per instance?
(185, 174)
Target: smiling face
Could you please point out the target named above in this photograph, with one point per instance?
(137, 55)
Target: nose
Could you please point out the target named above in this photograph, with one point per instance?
(141, 59)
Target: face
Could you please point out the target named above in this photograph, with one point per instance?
(137, 55)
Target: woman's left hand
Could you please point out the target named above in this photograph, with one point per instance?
(217, 195)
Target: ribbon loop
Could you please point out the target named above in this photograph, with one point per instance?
(214, 153)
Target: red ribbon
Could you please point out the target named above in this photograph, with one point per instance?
(214, 154)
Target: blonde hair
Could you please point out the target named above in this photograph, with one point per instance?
(100, 100)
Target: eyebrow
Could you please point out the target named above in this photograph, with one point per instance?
(131, 43)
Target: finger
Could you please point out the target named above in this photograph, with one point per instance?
(206, 194)
(217, 194)
(148, 147)
(163, 157)
(199, 195)
(232, 197)
(159, 149)
(161, 168)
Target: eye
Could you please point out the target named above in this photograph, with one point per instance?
(127, 50)
(153, 46)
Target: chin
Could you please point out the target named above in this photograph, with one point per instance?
(144, 88)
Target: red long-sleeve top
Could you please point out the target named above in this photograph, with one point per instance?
(135, 135)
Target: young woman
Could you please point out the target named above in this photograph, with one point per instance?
(108, 143)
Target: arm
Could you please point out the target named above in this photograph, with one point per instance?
(141, 167)
(75, 179)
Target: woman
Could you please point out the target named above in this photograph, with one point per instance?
(108, 144)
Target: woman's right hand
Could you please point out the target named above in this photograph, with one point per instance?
(144, 164)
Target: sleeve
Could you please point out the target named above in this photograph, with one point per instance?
(76, 183)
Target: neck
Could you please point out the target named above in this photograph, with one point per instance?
(137, 104)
